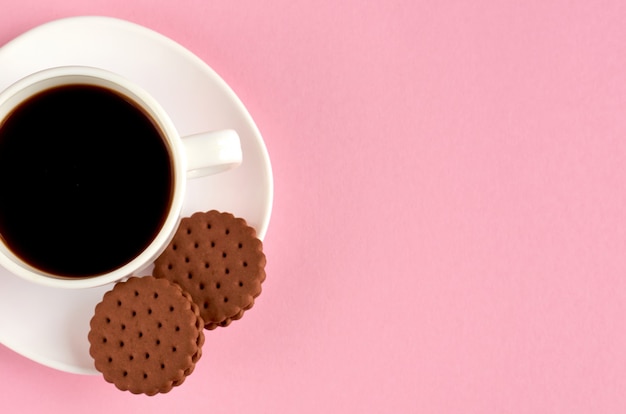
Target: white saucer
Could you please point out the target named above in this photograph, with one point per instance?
(50, 325)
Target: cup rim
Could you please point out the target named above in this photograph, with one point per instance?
(64, 75)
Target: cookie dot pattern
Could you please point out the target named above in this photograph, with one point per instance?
(218, 259)
(146, 335)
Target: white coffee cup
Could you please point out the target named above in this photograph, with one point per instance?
(194, 156)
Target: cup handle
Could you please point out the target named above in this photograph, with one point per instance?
(212, 152)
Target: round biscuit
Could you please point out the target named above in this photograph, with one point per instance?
(146, 335)
(218, 259)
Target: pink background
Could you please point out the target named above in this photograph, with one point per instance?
(449, 230)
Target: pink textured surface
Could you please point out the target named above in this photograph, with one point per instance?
(449, 230)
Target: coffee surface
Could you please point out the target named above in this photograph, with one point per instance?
(85, 180)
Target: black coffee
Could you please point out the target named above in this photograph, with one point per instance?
(85, 180)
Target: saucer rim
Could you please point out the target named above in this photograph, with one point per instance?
(208, 72)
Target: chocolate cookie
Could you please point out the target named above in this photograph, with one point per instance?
(218, 259)
(146, 335)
